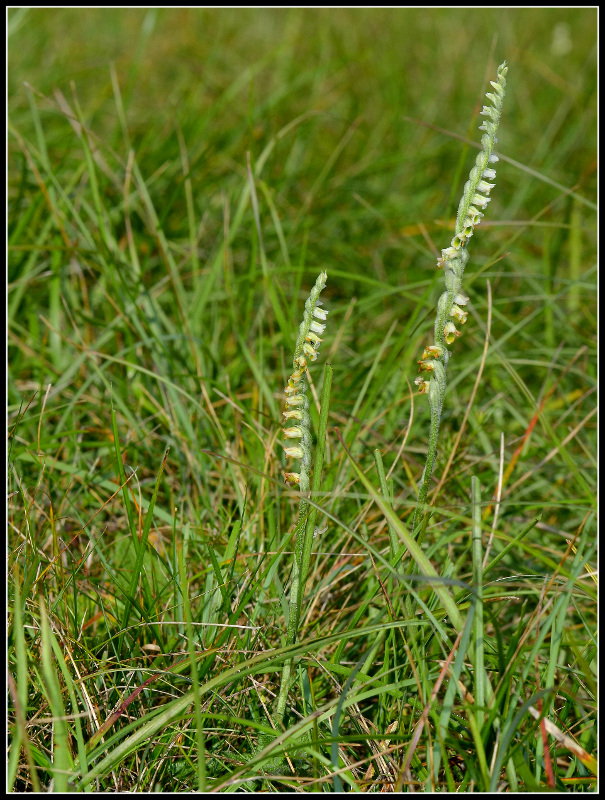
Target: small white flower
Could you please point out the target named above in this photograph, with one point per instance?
(459, 314)
(450, 332)
(426, 365)
(423, 386)
(475, 214)
(293, 433)
(310, 351)
(485, 187)
(479, 200)
(432, 351)
(489, 111)
(489, 127)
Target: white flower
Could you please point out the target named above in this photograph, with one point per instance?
(479, 200)
(485, 187)
(450, 332)
(310, 351)
(459, 314)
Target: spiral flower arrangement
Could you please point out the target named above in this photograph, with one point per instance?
(297, 411)
(475, 198)
(297, 401)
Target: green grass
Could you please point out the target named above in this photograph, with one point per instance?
(152, 317)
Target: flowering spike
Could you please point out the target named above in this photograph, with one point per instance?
(297, 402)
(453, 259)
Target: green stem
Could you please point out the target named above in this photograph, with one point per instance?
(317, 479)
(479, 665)
(304, 542)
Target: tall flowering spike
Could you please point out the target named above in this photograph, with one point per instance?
(297, 401)
(476, 196)
(475, 200)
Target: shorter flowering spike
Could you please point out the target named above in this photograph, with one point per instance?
(296, 400)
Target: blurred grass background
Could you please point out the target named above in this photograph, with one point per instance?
(138, 281)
